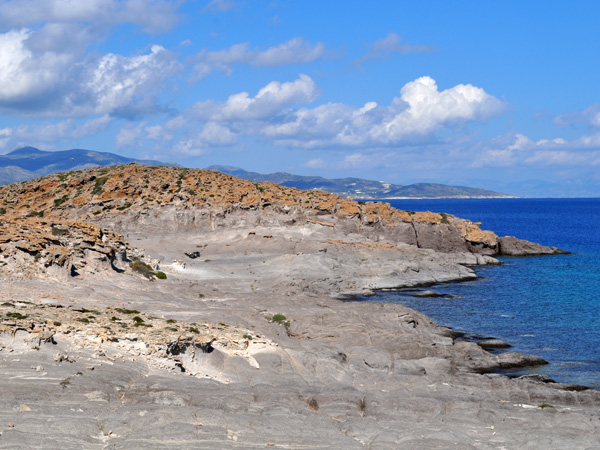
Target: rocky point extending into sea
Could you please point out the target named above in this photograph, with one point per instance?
(152, 307)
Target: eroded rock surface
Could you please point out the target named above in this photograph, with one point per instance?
(245, 345)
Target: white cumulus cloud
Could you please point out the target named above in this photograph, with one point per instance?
(269, 100)
(420, 111)
(51, 82)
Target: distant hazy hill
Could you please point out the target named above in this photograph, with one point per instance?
(29, 162)
(359, 188)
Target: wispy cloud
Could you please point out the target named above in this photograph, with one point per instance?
(294, 51)
(154, 16)
(220, 6)
(392, 43)
(52, 134)
(589, 117)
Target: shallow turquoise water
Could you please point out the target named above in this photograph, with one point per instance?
(548, 306)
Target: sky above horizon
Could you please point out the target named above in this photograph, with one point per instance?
(498, 95)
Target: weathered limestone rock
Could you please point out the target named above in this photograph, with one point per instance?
(511, 246)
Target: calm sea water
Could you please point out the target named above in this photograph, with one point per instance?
(547, 306)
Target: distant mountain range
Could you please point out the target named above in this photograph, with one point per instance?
(27, 163)
(360, 188)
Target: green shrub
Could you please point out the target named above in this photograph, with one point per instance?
(444, 217)
(142, 268)
(545, 405)
(278, 318)
(138, 321)
(16, 315)
(60, 201)
(59, 231)
(2, 211)
(125, 206)
(127, 311)
(194, 330)
(98, 185)
(161, 275)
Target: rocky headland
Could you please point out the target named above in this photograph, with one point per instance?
(154, 307)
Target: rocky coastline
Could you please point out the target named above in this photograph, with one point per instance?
(173, 308)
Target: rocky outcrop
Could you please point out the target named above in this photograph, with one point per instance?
(196, 349)
(30, 245)
(135, 197)
(511, 246)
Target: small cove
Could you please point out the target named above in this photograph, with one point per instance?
(548, 306)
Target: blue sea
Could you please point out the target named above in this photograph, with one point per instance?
(548, 306)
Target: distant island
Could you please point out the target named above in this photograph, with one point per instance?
(360, 188)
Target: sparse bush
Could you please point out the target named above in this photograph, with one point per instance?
(142, 268)
(2, 211)
(278, 318)
(161, 275)
(98, 185)
(545, 405)
(127, 311)
(194, 330)
(16, 315)
(57, 324)
(125, 206)
(60, 201)
(444, 217)
(59, 231)
(138, 321)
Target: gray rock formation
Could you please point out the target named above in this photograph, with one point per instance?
(511, 246)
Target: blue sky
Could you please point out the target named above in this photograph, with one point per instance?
(500, 95)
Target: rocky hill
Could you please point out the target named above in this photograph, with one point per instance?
(45, 211)
(361, 188)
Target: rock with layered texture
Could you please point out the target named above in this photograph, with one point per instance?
(205, 357)
(511, 246)
(135, 197)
